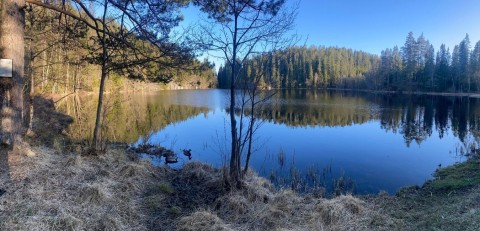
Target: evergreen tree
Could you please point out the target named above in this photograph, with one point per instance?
(421, 47)
(442, 68)
(455, 69)
(429, 69)
(409, 56)
(463, 64)
(397, 66)
(475, 66)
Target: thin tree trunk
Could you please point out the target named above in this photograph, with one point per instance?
(32, 89)
(235, 155)
(44, 68)
(95, 142)
(67, 78)
(75, 81)
(250, 130)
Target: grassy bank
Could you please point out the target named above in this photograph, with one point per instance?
(48, 189)
(449, 202)
(51, 190)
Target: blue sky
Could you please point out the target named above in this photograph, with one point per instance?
(373, 25)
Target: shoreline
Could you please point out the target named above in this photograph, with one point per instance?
(99, 189)
(151, 88)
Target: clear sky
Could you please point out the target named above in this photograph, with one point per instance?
(373, 25)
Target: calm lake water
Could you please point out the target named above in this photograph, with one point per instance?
(381, 142)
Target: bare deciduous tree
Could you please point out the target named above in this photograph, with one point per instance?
(240, 29)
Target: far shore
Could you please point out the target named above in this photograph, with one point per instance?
(150, 88)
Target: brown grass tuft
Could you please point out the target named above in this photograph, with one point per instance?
(95, 193)
(133, 170)
(73, 161)
(201, 221)
(340, 211)
(234, 206)
(108, 223)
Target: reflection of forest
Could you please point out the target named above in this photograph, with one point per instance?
(414, 116)
(126, 118)
(301, 108)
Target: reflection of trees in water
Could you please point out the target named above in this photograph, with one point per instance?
(126, 118)
(301, 108)
(416, 117)
(413, 116)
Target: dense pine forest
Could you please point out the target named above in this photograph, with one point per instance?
(63, 56)
(413, 67)
(300, 67)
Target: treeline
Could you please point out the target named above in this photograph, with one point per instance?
(63, 57)
(413, 67)
(301, 67)
(417, 67)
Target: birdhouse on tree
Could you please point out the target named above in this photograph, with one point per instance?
(6, 67)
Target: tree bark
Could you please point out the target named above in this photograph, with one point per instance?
(11, 90)
(96, 130)
(250, 128)
(235, 152)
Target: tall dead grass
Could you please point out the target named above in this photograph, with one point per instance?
(51, 191)
(259, 207)
(69, 192)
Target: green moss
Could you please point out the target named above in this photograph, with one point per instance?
(175, 211)
(166, 188)
(153, 202)
(459, 176)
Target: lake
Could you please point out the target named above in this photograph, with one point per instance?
(382, 142)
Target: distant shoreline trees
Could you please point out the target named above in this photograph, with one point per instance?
(301, 67)
(413, 67)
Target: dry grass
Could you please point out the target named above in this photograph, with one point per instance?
(201, 221)
(258, 207)
(52, 191)
(68, 192)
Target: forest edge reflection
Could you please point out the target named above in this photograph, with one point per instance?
(414, 116)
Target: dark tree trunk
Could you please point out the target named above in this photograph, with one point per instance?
(250, 131)
(96, 130)
(235, 154)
